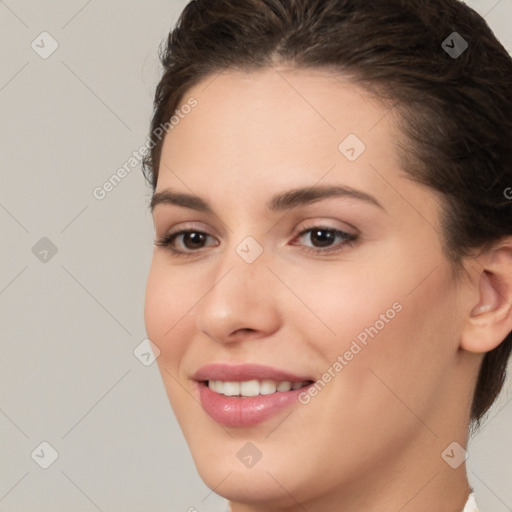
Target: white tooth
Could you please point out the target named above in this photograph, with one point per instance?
(231, 388)
(284, 386)
(267, 387)
(250, 388)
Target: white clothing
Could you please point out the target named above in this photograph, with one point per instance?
(470, 505)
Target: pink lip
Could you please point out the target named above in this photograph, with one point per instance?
(233, 411)
(242, 372)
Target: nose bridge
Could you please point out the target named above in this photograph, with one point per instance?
(240, 295)
(244, 257)
(252, 257)
(239, 277)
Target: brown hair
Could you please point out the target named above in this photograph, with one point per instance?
(455, 110)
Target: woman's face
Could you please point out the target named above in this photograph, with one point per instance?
(348, 289)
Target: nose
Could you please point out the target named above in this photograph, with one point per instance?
(241, 301)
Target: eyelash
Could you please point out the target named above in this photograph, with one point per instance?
(348, 240)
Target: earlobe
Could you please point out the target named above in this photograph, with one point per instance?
(490, 320)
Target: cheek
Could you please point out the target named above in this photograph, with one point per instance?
(156, 305)
(168, 299)
(401, 364)
(167, 326)
(348, 304)
(407, 340)
(406, 290)
(395, 320)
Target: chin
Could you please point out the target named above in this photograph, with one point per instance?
(251, 486)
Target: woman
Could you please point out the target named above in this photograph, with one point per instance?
(331, 285)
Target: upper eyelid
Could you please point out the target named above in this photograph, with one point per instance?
(296, 232)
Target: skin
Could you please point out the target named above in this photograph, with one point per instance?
(372, 439)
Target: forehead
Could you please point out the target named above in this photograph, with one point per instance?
(277, 120)
(273, 97)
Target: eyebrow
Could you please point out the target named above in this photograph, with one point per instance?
(282, 201)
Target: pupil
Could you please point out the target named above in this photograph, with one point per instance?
(323, 240)
(195, 238)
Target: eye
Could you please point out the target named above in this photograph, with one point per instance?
(323, 238)
(191, 240)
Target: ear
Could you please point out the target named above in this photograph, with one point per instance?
(490, 320)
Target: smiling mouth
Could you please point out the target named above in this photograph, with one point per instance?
(251, 388)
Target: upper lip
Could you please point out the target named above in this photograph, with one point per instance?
(245, 372)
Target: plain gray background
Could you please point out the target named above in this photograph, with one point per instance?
(71, 317)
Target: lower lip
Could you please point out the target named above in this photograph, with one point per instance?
(235, 411)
